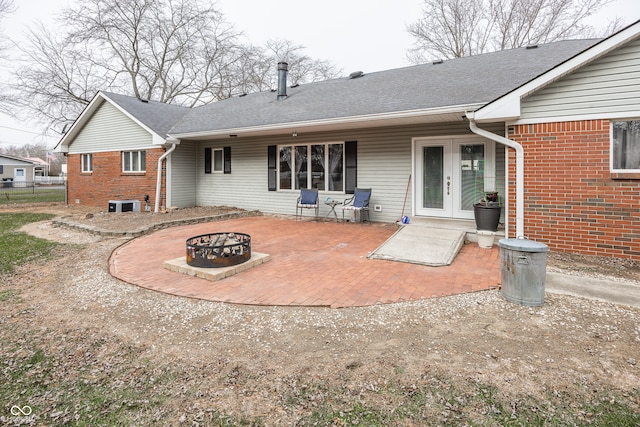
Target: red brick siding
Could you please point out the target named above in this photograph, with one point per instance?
(108, 182)
(572, 201)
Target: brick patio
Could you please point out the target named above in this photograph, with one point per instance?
(313, 263)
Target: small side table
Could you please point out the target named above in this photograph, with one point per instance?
(332, 204)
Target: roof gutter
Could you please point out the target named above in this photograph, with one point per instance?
(519, 170)
(173, 143)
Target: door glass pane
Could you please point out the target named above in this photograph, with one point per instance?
(471, 174)
(433, 171)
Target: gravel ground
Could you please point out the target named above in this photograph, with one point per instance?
(472, 358)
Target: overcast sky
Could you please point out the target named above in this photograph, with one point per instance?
(356, 35)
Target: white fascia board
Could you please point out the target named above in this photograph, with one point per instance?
(81, 120)
(329, 122)
(507, 107)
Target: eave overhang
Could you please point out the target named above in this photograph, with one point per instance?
(401, 118)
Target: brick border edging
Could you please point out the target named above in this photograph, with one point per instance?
(68, 223)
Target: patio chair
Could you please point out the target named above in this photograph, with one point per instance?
(359, 202)
(308, 199)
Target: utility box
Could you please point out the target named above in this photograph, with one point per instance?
(523, 270)
(124, 206)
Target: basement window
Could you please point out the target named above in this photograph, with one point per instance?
(625, 146)
(134, 161)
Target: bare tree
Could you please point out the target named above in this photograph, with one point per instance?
(6, 8)
(175, 51)
(457, 28)
(303, 69)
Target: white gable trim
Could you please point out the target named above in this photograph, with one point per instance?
(89, 111)
(507, 107)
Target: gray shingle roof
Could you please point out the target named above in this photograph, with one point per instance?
(157, 116)
(464, 81)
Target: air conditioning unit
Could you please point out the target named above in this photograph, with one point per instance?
(124, 206)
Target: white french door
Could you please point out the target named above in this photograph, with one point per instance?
(450, 175)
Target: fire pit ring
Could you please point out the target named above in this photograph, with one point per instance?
(218, 250)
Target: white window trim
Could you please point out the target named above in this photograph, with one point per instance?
(326, 175)
(130, 153)
(83, 162)
(611, 154)
(213, 160)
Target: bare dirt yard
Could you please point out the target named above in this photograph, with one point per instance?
(78, 347)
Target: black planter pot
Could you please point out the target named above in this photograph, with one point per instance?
(487, 216)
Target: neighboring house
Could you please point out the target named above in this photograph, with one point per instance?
(41, 168)
(17, 170)
(446, 128)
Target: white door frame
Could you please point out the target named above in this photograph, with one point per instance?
(452, 204)
(22, 177)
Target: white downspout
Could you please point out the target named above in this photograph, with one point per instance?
(159, 180)
(519, 170)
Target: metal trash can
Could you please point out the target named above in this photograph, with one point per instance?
(523, 270)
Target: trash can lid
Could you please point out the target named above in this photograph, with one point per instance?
(523, 245)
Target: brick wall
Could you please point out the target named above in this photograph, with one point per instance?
(572, 201)
(108, 182)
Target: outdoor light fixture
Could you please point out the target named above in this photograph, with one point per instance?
(294, 134)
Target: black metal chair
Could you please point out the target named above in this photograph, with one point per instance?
(308, 199)
(359, 202)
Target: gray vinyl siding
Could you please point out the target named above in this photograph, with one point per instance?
(384, 164)
(610, 84)
(110, 130)
(183, 175)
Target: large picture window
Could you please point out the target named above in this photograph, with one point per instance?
(134, 161)
(625, 146)
(87, 163)
(311, 166)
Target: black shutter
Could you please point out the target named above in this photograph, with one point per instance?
(207, 160)
(272, 163)
(351, 166)
(227, 159)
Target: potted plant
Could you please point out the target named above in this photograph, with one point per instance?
(487, 211)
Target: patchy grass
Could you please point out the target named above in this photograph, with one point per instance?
(17, 248)
(54, 195)
(444, 402)
(11, 296)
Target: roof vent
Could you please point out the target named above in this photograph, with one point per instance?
(356, 74)
(242, 94)
(437, 61)
(294, 85)
(532, 46)
(143, 100)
